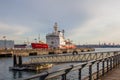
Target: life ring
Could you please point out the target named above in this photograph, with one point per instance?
(74, 52)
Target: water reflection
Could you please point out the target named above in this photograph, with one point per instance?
(17, 74)
(5, 63)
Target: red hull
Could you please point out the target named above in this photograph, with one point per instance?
(39, 46)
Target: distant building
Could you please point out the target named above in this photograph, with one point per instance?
(56, 38)
(6, 44)
(20, 46)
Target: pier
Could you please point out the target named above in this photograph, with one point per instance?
(98, 68)
(31, 52)
(68, 58)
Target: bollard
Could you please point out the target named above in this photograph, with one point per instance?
(14, 60)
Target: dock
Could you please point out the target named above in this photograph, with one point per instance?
(5, 54)
(33, 52)
(100, 67)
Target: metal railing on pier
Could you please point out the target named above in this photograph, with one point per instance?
(103, 65)
(66, 58)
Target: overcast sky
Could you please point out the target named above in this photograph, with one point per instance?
(84, 21)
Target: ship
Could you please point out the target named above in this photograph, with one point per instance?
(54, 40)
(40, 45)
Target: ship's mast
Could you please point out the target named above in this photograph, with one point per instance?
(63, 31)
(39, 37)
(56, 28)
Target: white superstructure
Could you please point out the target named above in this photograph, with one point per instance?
(56, 38)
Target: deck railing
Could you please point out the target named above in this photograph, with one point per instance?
(96, 69)
(68, 58)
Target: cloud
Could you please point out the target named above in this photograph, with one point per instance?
(84, 21)
(13, 29)
(14, 32)
(103, 24)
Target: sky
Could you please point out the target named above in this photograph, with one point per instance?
(84, 21)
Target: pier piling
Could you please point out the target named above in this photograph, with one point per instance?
(14, 60)
(20, 60)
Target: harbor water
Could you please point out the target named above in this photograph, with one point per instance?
(6, 74)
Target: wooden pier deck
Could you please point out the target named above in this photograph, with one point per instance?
(112, 75)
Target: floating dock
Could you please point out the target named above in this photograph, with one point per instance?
(28, 67)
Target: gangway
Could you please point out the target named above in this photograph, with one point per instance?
(66, 58)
